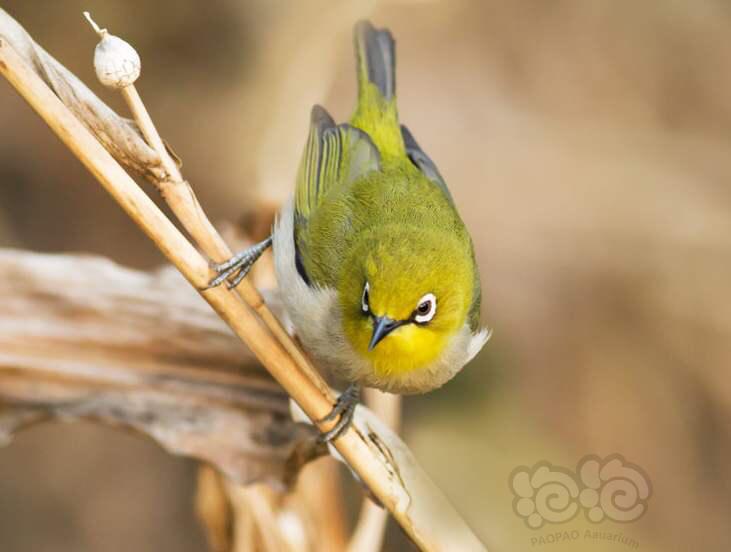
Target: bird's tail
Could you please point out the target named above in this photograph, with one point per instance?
(376, 112)
(376, 52)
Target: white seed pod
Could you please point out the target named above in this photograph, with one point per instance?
(116, 62)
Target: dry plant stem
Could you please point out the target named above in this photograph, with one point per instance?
(174, 189)
(147, 127)
(265, 533)
(415, 502)
(371, 525)
(215, 514)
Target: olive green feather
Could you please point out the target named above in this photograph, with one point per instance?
(335, 156)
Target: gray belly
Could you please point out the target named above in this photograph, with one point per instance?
(313, 311)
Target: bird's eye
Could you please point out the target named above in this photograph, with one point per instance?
(425, 309)
(364, 300)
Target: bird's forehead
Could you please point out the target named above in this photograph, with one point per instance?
(394, 289)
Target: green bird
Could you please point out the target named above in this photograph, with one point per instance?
(375, 266)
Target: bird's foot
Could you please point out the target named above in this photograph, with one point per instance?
(240, 265)
(345, 409)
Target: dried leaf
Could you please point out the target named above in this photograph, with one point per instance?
(82, 337)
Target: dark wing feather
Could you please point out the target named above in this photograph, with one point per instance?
(423, 162)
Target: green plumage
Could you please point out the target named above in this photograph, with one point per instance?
(367, 191)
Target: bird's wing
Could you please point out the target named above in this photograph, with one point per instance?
(423, 162)
(335, 156)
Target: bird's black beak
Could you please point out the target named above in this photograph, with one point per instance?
(382, 326)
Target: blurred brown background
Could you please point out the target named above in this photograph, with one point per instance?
(588, 146)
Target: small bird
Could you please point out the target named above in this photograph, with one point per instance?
(375, 266)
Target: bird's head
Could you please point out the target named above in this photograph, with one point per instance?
(403, 295)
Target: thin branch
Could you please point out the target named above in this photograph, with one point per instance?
(379, 458)
(370, 528)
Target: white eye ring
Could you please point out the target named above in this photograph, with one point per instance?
(421, 314)
(364, 299)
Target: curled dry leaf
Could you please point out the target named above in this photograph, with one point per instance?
(82, 337)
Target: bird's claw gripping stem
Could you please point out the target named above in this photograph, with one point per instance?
(345, 408)
(240, 263)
